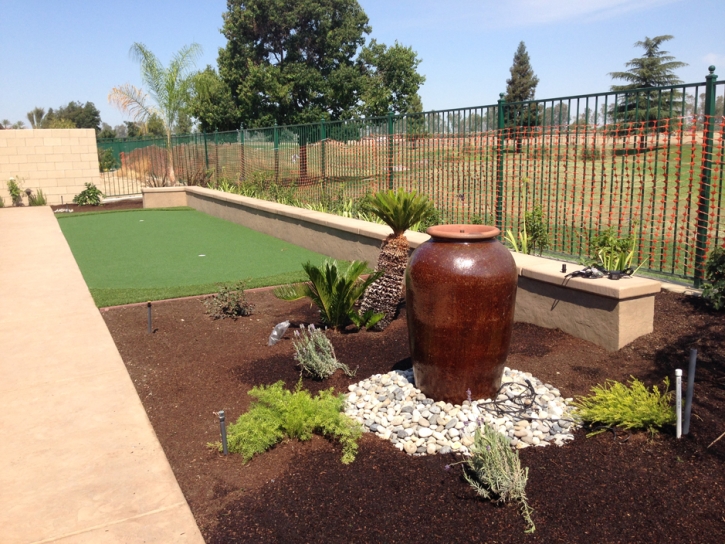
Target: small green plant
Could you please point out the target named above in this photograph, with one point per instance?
(90, 196)
(433, 218)
(37, 199)
(494, 471)
(315, 355)
(16, 191)
(106, 160)
(279, 413)
(534, 236)
(629, 407)
(334, 289)
(2, 202)
(714, 289)
(610, 252)
(230, 301)
(520, 246)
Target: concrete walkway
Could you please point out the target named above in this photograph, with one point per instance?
(79, 460)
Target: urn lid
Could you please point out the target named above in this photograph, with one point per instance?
(463, 232)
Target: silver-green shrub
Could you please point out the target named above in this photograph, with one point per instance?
(315, 355)
(495, 472)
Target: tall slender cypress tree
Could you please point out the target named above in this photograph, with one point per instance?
(521, 86)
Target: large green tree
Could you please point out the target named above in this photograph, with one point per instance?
(168, 87)
(390, 80)
(212, 103)
(520, 87)
(72, 115)
(655, 68)
(298, 61)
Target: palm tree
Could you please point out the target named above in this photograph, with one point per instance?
(35, 116)
(399, 210)
(168, 87)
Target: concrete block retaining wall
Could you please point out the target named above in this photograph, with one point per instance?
(58, 161)
(606, 312)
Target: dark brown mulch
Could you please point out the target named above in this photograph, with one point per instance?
(127, 204)
(600, 489)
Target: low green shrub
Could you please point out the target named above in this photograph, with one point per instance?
(279, 413)
(615, 404)
(2, 202)
(533, 237)
(37, 199)
(90, 196)
(230, 301)
(334, 289)
(16, 191)
(494, 471)
(106, 160)
(610, 252)
(315, 355)
(714, 289)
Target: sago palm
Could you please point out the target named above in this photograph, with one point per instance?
(399, 210)
(168, 87)
(334, 289)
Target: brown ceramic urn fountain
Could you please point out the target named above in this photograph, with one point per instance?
(460, 298)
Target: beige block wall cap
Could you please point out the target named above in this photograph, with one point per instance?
(549, 271)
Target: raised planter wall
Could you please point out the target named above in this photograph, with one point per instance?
(608, 313)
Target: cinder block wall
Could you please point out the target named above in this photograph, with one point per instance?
(58, 161)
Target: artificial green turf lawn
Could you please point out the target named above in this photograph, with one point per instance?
(139, 255)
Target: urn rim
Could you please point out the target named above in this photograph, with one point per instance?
(463, 232)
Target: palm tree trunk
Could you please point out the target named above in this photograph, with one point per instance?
(170, 159)
(384, 294)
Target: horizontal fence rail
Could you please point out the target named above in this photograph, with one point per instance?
(647, 163)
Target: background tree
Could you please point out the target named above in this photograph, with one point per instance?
(212, 103)
(35, 117)
(107, 131)
(296, 63)
(520, 87)
(82, 116)
(656, 68)
(391, 80)
(169, 87)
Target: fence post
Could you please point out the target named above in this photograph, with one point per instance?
(323, 137)
(390, 150)
(500, 163)
(206, 151)
(276, 153)
(241, 153)
(216, 155)
(703, 204)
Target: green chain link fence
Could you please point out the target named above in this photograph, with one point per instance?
(647, 163)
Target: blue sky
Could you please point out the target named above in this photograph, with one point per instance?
(53, 52)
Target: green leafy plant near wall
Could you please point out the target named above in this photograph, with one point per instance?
(278, 413)
(334, 289)
(16, 191)
(37, 199)
(534, 236)
(615, 404)
(106, 160)
(714, 289)
(90, 196)
(610, 252)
